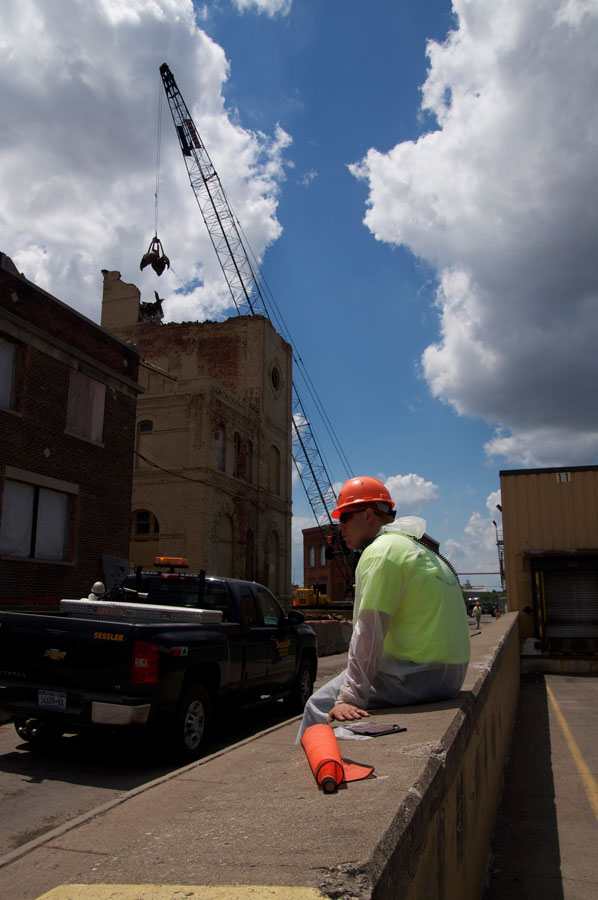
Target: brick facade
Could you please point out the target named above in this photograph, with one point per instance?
(49, 341)
(212, 473)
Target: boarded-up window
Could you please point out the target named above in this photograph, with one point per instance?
(7, 373)
(221, 448)
(249, 462)
(249, 557)
(237, 460)
(34, 521)
(85, 407)
(274, 472)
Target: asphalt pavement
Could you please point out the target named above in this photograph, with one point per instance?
(545, 842)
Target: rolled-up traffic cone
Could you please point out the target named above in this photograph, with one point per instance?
(321, 748)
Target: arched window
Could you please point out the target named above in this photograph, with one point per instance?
(312, 556)
(323, 555)
(249, 557)
(249, 462)
(273, 566)
(224, 562)
(274, 470)
(221, 435)
(144, 526)
(144, 432)
(237, 463)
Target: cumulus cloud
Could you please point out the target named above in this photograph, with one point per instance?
(410, 493)
(269, 7)
(477, 552)
(502, 199)
(78, 149)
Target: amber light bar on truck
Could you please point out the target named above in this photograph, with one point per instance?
(144, 663)
(178, 561)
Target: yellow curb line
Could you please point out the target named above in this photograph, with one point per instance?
(588, 780)
(180, 892)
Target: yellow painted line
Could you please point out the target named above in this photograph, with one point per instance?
(589, 782)
(180, 892)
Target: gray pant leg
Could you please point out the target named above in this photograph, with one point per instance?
(319, 704)
(422, 683)
(411, 683)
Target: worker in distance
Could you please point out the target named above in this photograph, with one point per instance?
(410, 641)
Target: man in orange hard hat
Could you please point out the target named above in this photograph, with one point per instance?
(410, 641)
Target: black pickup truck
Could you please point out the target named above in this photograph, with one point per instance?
(166, 659)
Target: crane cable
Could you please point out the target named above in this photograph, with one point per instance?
(158, 147)
(284, 331)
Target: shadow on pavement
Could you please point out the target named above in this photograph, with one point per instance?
(525, 859)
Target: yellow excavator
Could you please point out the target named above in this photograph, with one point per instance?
(310, 597)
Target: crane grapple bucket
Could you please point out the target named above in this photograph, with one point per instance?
(155, 257)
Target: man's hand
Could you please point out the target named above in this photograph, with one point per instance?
(346, 712)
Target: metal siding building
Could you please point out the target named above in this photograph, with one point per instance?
(550, 525)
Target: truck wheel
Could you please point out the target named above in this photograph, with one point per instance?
(192, 723)
(302, 687)
(36, 732)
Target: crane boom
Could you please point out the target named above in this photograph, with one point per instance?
(247, 295)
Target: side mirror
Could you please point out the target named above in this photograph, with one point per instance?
(295, 617)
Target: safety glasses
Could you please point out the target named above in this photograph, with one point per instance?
(347, 516)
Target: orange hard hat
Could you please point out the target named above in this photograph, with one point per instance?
(358, 491)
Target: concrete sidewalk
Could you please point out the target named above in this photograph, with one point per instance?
(251, 815)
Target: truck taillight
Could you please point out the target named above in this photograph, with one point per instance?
(144, 664)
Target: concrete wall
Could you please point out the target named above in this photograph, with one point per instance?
(438, 844)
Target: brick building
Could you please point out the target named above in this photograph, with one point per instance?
(212, 472)
(67, 429)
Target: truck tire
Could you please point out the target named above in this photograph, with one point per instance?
(191, 724)
(302, 687)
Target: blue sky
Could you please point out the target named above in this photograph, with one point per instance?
(418, 179)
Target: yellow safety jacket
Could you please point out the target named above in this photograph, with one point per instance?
(408, 582)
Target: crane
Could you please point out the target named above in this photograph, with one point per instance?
(249, 294)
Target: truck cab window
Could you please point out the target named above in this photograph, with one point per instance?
(248, 608)
(271, 611)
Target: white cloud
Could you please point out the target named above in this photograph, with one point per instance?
(492, 502)
(297, 525)
(503, 200)
(410, 493)
(477, 551)
(78, 144)
(269, 7)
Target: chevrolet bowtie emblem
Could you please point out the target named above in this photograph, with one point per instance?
(55, 654)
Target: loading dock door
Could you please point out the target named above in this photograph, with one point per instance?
(571, 609)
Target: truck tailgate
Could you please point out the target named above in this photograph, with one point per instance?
(65, 653)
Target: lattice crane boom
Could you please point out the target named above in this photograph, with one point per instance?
(247, 295)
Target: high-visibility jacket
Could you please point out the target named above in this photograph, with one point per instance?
(416, 592)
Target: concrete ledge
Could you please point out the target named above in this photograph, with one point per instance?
(420, 828)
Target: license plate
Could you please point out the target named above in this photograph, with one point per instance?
(51, 699)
